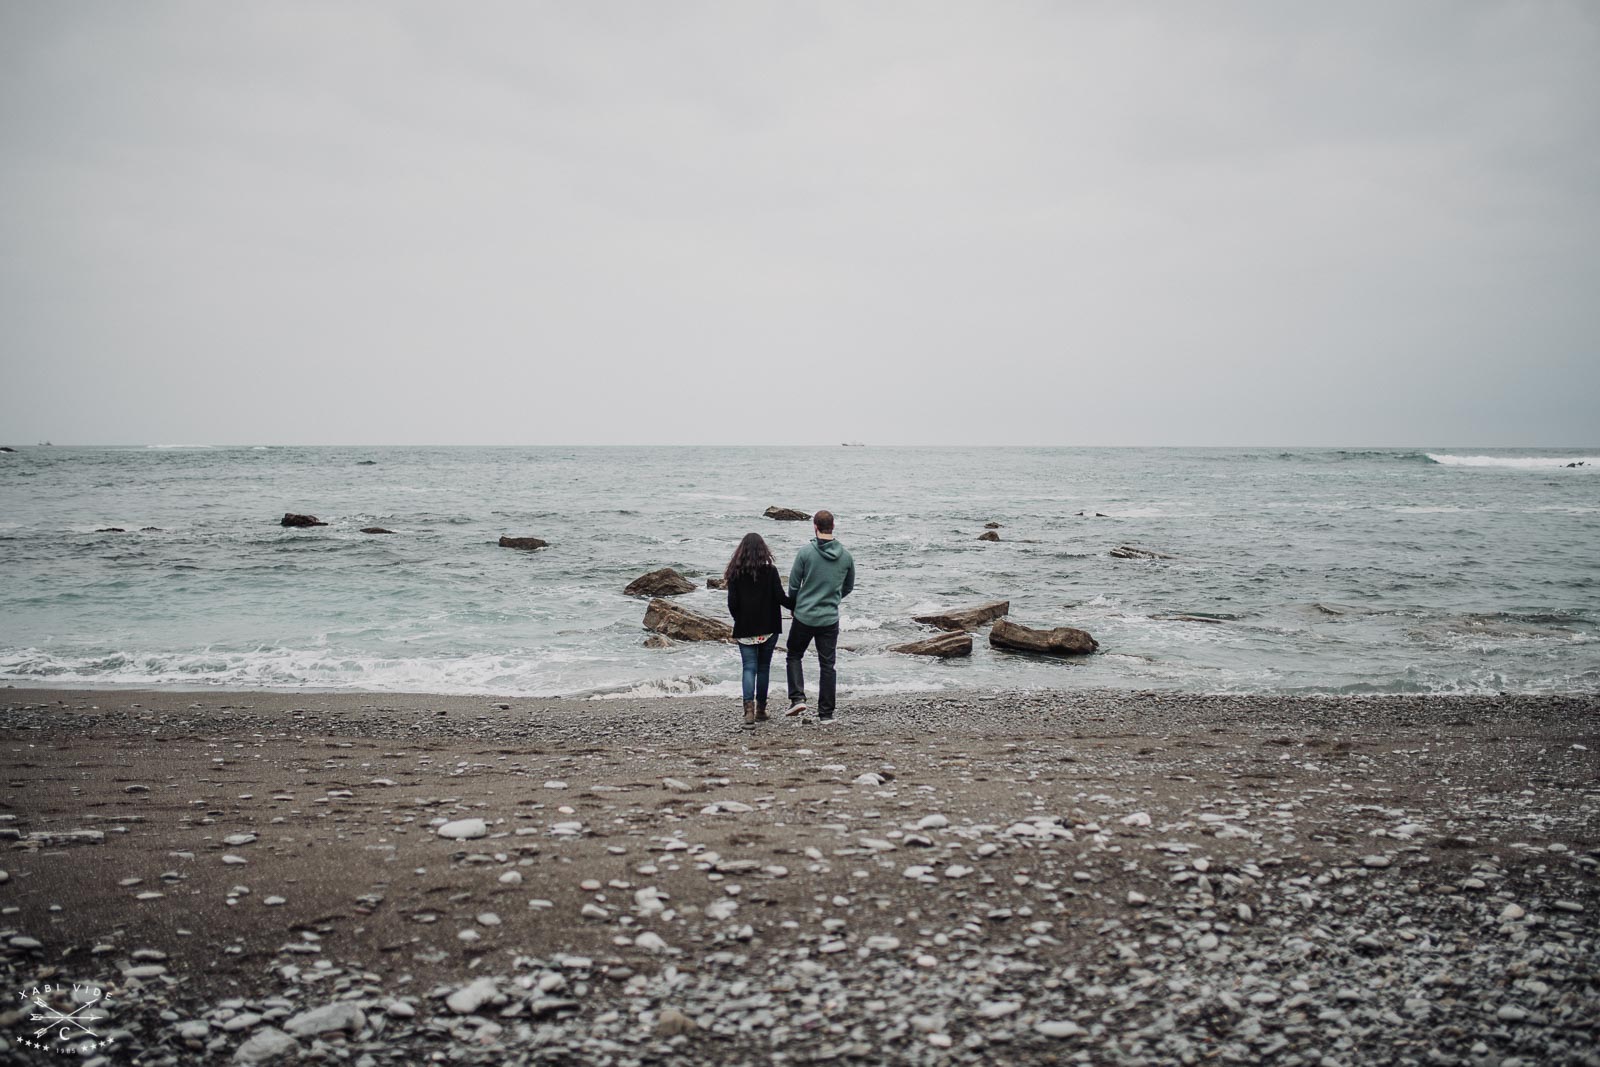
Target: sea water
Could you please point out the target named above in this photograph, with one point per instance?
(1445, 570)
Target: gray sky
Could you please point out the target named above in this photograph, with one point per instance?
(742, 222)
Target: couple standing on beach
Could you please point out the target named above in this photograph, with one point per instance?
(822, 575)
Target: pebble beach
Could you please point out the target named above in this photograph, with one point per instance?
(1030, 877)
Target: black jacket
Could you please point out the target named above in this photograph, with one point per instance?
(754, 602)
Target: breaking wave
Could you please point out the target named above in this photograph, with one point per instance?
(1445, 459)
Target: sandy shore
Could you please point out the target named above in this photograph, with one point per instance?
(1013, 878)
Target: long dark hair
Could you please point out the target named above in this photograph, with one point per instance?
(748, 559)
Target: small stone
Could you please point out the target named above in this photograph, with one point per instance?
(1375, 861)
(673, 1022)
(472, 996)
(932, 822)
(464, 829)
(327, 1019)
(1137, 899)
(1511, 913)
(488, 918)
(650, 942)
(511, 878)
(264, 1046)
(1060, 1028)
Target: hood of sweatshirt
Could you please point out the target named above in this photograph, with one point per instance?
(829, 549)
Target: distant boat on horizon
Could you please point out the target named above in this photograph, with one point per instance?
(854, 444)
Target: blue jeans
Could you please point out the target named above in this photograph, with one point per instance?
(757, 662)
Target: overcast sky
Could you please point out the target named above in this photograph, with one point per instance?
(742, 222)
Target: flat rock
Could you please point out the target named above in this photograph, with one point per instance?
(327, 1019)
(966, 618)
(375, 530)
(1061, 641)
(527, 543)
(663, 582)
(786, 514)
(944, 646)
(682, 624)
(464, 829)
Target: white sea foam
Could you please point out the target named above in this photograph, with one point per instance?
(1518, 462)
(179, 446)
(849, 623)
(286, 668)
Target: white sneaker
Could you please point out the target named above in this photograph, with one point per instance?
(798, 708)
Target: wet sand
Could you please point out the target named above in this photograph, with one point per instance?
(1019, 878)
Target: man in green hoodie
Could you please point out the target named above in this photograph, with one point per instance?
(822, 575)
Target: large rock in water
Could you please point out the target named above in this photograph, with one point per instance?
(786, 514)
(988, 535)
(1061, 641)
(716, 583)
(1130, 552)
(665, 617)
(966, 618)
(664, 582)
(291, 519)
(944, 646)
(529, 543)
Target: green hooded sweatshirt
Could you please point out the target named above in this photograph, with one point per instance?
(822, 575)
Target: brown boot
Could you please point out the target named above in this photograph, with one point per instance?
(761, 711)
(749, 712)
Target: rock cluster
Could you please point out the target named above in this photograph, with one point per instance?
(293, 520)
(786, 514)
(526, 543)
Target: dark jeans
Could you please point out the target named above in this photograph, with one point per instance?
(757, 662)
(800, 636)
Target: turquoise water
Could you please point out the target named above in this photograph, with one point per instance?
(1445, 570)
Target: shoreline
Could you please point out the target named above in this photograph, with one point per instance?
(936, 878)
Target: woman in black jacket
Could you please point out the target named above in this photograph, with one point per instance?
(755, 593)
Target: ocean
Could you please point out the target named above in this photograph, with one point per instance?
(1444, 570)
